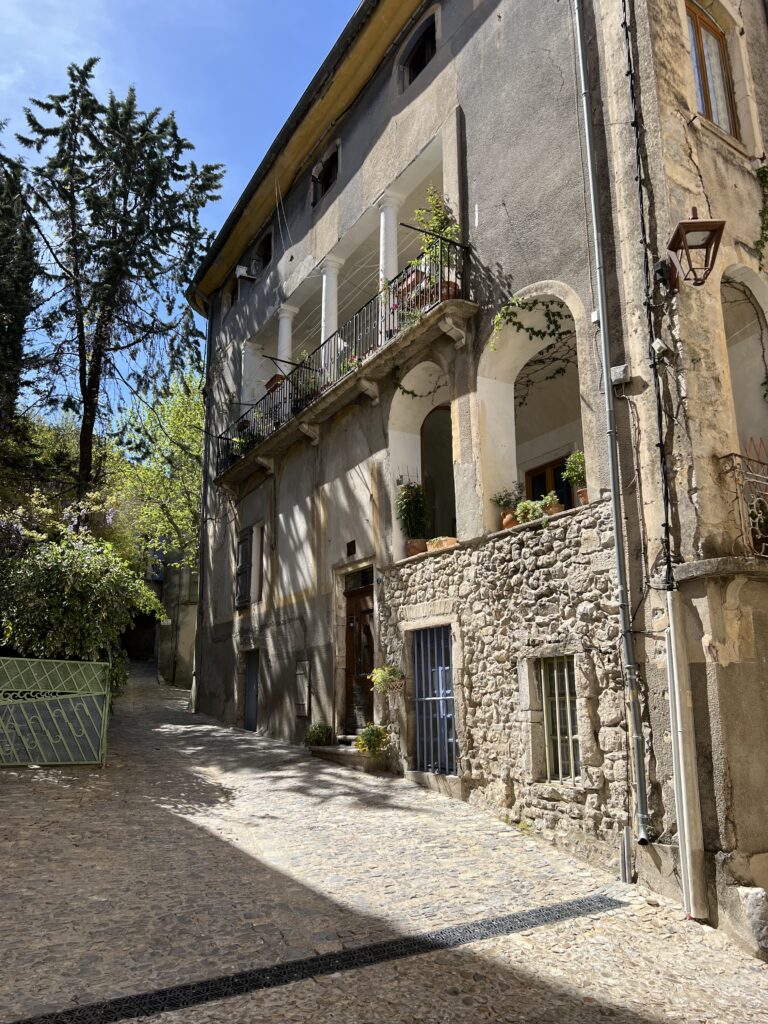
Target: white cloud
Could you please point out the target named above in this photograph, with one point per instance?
(37, 42)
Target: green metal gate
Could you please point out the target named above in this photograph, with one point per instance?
(53, 712)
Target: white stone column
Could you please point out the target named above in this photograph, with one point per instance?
(285, 315)
(329, 316)
(252, 370)
(389, 213)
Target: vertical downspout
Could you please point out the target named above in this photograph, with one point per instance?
(630, 666)
(203, 533)
(687, 797)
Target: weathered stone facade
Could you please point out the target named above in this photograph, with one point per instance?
(512, 598)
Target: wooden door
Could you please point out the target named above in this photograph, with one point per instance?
(359, 658)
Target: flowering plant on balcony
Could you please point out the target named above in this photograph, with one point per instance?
(349, 363)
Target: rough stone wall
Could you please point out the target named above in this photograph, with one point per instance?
(512, 598)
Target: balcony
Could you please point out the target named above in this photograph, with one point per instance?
(416, 303)
(748, 486)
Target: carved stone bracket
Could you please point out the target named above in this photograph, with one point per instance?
(370, 388)
(453, 330)
(312, 431)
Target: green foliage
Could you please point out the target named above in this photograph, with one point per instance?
(411, 510)
(507, 497)
(387, 679)
(319, 734)
(529, 510)
(116, 207)
(71, 599)
(436, 219)
(18, 270)
(157, 483)
(762, 242)
(575, 471)
(373, 739)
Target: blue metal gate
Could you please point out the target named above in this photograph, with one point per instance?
(53, 712)
(437, 745)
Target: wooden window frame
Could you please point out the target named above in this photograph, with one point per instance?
(548, 468)
(699, 18)
(427, 27)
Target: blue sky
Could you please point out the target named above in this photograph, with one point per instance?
(231, 71)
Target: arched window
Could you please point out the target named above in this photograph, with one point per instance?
(437, 473)
(420, 52)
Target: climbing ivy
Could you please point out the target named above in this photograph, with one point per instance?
(554, 360)
(762, 242)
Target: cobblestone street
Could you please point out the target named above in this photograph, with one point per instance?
(202, 851)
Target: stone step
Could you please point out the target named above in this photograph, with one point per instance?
(347, 756)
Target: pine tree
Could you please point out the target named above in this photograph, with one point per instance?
(115, 206)
(18, 270)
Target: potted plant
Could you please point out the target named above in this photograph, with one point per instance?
(305, 384)
(439, 226)
(575, 474)
(319, 734)
(507, 500)
(387, 679)
(411, 511)
(531, 509)
(348, 363)
(439, 543)
(374, 740)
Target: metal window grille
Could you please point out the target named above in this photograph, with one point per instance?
(437, 744)
(558, 684)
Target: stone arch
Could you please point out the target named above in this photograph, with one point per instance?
(424, 389)
(560, 411)
(744, 305)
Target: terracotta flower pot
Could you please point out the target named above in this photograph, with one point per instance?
(583, 495)
(552, 510)
(415, 547)
(441, 542)
(449, 290)
(508, 518)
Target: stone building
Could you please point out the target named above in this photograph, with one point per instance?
(351, 352)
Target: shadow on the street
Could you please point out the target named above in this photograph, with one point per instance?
(115, 893)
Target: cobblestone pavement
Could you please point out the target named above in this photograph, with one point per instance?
(202, 851)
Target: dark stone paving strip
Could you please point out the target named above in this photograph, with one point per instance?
(180, 997)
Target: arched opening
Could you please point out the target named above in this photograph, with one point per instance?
(421, 449)
(746, 333)
(437, 473)
(529, 405)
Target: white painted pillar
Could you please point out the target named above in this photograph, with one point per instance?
(329, 316)
(389, 214)
(285, 315)
(252, 371)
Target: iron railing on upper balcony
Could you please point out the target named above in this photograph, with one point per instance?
(748, 485)
(435, 276)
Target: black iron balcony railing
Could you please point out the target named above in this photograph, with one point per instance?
(748, 484)
(434, 277)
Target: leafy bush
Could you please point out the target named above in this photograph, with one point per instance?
(387, 679)
(319, 734)
(411, 510)
(72, 599)
(575, 471)
(373, 739)
(529, 510)
(507, 497)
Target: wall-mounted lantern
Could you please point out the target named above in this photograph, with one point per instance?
(691, 252)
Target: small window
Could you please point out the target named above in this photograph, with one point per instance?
(547, 478)
(243, 570)
(325, 176)
(558, 693)
(262, 255)
(421, 52)
(359, 580)
(711, 71)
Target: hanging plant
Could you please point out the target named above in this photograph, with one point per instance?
(552, 361)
